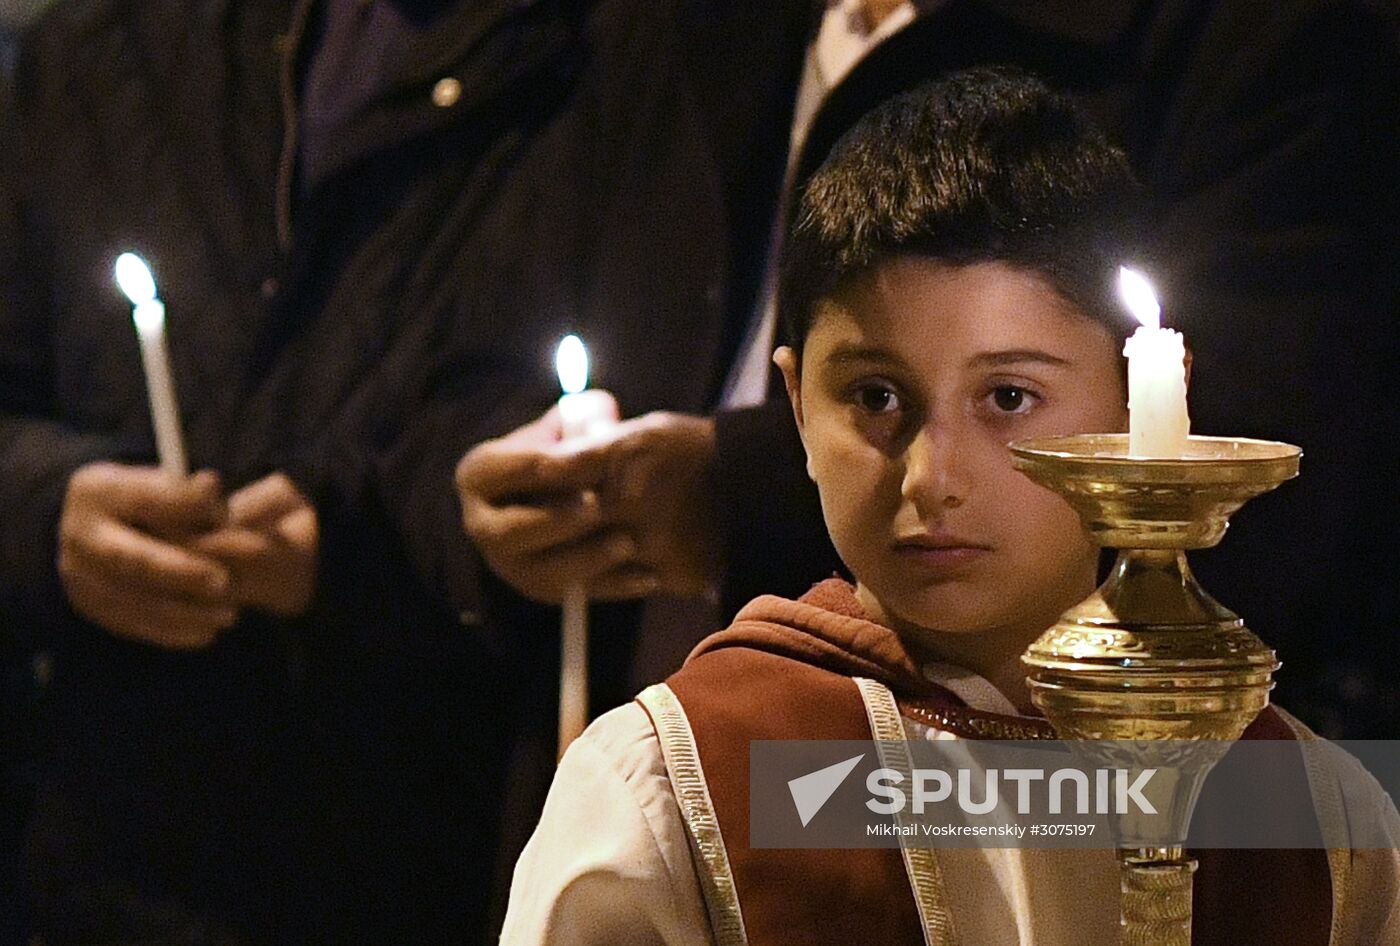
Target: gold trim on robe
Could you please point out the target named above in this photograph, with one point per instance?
(1331, 819)
(921, 863)
(698, 811)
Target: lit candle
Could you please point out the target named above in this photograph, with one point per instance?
(583, 413)
(1158, 424)
(148, 313)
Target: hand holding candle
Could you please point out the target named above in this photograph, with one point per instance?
(148, 313)
(1158, 424)
(583, 413)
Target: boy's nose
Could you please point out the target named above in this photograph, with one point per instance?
(934, 478)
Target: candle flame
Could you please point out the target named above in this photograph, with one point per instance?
(135, 279)
(571, 362)
(1140, 298)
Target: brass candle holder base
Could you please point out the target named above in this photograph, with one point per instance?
(1150, 655)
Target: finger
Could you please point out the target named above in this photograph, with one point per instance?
(527, 529)
(175, 507)
(176, 625)
(233, 545)
(165, 623)
(133, 558)
(626, 461)
(579, 562)
(497, 471)
(264, 502)
(625, 582)
(153, 500)
(528, 459)
(244, 545)
(300, 529)
(546, 429)
(496, 457)
(656, 445)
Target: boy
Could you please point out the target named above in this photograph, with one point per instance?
(946, 290)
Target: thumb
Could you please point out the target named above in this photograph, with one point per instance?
(168, 506)
(544, 430)
(264, 502)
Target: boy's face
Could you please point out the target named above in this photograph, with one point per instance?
(913, 380)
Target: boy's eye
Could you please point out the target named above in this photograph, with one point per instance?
(877, 398)
(1010, 399)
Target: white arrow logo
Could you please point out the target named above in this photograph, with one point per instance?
(810, 792)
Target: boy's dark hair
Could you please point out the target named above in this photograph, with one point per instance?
(984, 165)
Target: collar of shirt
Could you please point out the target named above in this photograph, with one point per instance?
(973, 689)
(846, 35)
(844, 38)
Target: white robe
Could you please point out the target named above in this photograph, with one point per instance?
(610, 865)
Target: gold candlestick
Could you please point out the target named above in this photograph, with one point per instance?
(1150, 655)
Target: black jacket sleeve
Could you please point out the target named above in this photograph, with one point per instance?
(37, 452)
(774, 539)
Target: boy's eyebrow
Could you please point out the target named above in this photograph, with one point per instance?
(1016, 356)
(846, 354)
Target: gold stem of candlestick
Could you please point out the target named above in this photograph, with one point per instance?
(1156, 896)
(1150, 655)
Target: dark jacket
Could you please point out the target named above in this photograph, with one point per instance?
(1266, 135)
(339, 777)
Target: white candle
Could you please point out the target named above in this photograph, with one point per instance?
(1158, 424)
(583, 413)
(148, 314)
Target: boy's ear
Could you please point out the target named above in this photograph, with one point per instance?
(786, 360)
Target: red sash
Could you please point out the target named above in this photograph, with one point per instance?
(783, 671)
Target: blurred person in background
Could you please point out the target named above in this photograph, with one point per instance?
(288, 704)
(1267, 137)
(22, 673)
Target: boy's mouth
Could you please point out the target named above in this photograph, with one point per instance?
(936, 541)
(940, 552)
